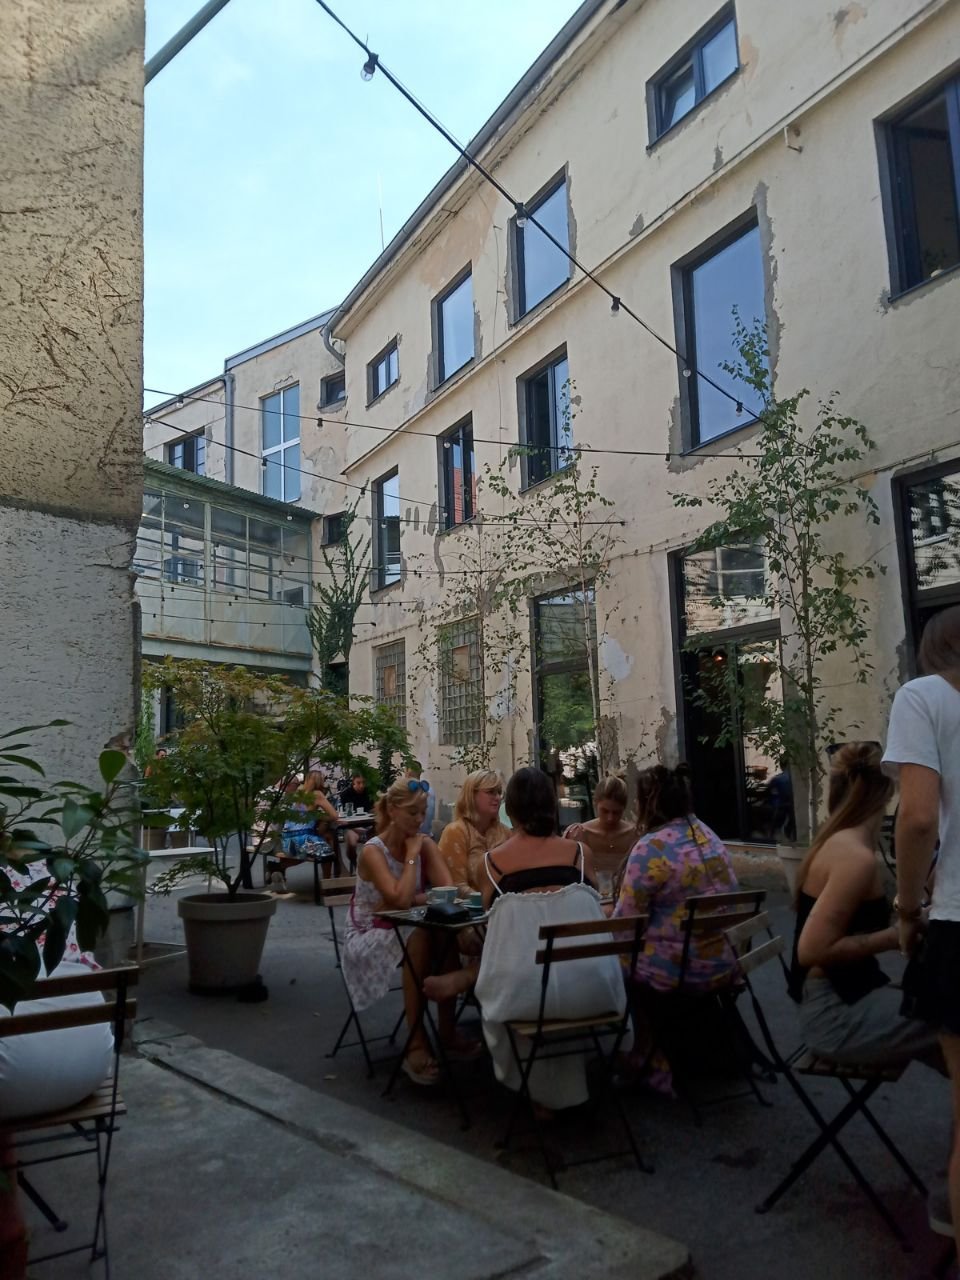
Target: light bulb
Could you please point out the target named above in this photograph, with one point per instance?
(369, 67)
(521, 215)
(687, 373)
(615, 305)
(739, 407)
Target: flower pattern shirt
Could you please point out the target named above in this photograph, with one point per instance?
(24, 876)
(680, 860)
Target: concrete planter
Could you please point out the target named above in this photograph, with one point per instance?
(791, 855)
(225, 938)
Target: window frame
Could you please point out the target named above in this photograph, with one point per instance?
(527, 481)
(442, 375)
(334, 521)
(518, 236)
(380, 556)
(468, 473)
(914, 597)
(194, 439)
(685, 326)
(896, 177)
(457, 731)
(691, 52)
(283, 444)
(382, 655)
(326, 402)
(383, 357)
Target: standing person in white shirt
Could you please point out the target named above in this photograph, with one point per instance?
(923, 747)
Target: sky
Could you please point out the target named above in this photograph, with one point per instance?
(266, 154)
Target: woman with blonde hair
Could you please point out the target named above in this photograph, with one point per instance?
(392, 870)
(849, 1012)
(476, 828)
(609, 836)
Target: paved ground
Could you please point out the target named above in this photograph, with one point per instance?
(707, 1180)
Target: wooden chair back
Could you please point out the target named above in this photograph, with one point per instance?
(710, 915)
(116, 1011)
(630, 930)
(336, 891)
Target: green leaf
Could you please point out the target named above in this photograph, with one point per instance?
(75, 817)
(54, 943)
(111, 765)
(62, 869)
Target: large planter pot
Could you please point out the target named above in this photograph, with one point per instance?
(225, 938)
(791, 855)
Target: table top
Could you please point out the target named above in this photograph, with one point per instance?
(417, 916)
(355, 820)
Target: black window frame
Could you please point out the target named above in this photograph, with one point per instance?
(917, 600)
(383, 357)
(379, 541)
(334, 529)
(897, 183)
(685, 329)
(442, 375)
(326, 400)
(531, 475)
(188, 445)
(521, 309)
(468, 474)
(691, 52)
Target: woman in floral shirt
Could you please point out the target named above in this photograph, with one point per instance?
(677, 857)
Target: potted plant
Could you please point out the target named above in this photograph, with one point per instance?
(233, 767)
(64, 847)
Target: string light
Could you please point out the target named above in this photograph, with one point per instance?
(521, 215)
(369, 67)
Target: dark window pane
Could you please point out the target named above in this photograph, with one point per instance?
(545, 267)
(549, 433)
(271, 422)
(228, 522)
(719, 57)
(731, 278)
(334, 389)
(932, 229)
(199, 455)
(935, 531)
(456, 327)
(677, 96)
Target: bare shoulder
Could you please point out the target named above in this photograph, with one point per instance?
(844, 857)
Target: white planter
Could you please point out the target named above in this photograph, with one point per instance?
(791, 856)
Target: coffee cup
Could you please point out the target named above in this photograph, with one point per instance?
(434, 896)
(475, 900)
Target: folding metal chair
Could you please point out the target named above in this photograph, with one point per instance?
(708, 917)
(551, 1037)
(859, 1083)
(332, 893)
(88, 1127)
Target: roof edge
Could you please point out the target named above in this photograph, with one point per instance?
(190, 479)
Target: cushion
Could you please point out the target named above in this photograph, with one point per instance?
(50, 1070)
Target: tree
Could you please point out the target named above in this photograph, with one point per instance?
(336, 600)
(245, 740)
(786, 499)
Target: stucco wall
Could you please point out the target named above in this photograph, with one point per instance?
(71, 98)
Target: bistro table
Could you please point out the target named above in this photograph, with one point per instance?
(345, 822)
(416, 917)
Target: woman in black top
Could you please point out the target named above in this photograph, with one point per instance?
(848, 1011)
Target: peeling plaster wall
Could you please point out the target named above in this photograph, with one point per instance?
(71, 158)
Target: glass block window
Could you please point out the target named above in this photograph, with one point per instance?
(390, 666)
(461, 684)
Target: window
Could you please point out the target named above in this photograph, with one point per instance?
(183, 539)
(461, 684)
(546, 432)
(458, 475)
(925, 166)
(565, 649)
(727, 278)
(280, 416)
(391, 679)
(705, 63)
(453, 325)
(386, 516)
(333, 390)
(188, 453)
(725, 587)
(541, 266)
(383, 372)
(334, 528)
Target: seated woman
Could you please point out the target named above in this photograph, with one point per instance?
(300, 837)
(677, 857)
(391, 871)
(475, 828)
(609, 836)
(848, 1010)
(536, 877)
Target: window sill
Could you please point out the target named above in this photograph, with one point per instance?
(454, 528)
(539, 484)
(335, 406)
(694, 111)
(386, 391)
(518, 321)
(913, 289)
(449, 380)
(692, 450)
(376, 593)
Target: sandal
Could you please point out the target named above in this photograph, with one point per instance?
(463, 1049)
(421, 1068)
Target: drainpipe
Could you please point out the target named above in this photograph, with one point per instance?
(327, 330)
(228, 389)
(182, 38)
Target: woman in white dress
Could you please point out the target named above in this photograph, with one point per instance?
(393, 870)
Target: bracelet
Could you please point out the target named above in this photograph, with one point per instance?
(909, 917)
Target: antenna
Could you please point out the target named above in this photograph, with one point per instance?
(383, 244)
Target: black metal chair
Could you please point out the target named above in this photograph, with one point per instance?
(860, 1083)
(553, 1037)
(333, 893)
(88, 1127)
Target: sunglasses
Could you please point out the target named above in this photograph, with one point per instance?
(418, 784)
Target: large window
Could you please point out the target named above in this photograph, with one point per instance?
(929, 525)
(183, 538)
(546, 432)
(391, 679)
(461, 684)
(458, 475)
(541, 266)
(386, 516)
(280, 418)
(383, 372)
(715, 287)
(188, 453)
(453, 324)
(693, 74)
(924, 148)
